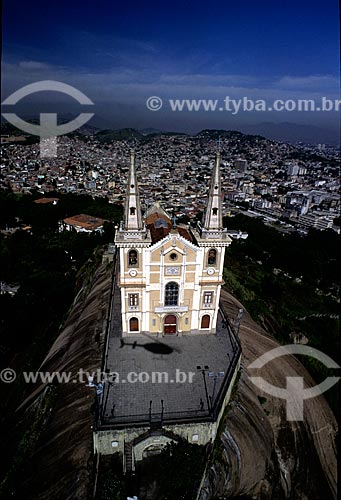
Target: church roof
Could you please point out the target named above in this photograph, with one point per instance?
(183, 231)
(160, 224)
(156, 211)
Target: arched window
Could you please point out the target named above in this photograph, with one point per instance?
(133, 325)
(205, 321)
(215, 211)
(212, 257)
(132, 210)
(132, 258)
(171, 294)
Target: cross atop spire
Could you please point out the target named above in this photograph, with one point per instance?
(133, 217)
(213, 214)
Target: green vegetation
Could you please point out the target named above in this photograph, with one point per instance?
(110, 481)
(290, 284)
(175, 474)
(49, 267)
(45, 217)
(44, 263)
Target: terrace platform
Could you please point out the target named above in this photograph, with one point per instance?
(147, 401)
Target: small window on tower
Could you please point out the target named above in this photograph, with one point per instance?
(132, 258)
(132, 211)
(208, 298)
(215, 211)
(133, 299)
(212, 257)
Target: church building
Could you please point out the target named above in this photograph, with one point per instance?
(170, 274)
(167, 279)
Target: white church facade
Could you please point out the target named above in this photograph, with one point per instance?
(170, 275)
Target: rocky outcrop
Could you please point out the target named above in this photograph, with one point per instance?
(260, 453)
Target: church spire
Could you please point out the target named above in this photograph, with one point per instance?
(133, 217)
(213, 215)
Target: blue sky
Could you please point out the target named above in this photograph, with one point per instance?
(119, 53)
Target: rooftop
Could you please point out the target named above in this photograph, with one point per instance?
(160, 225)
(85, 221)
(44, 201)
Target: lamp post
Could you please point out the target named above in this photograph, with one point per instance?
(215, 376)
(238, 320)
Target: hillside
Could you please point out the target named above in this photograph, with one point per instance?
(259, 453)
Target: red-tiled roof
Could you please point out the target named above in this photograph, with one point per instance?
(185, 233)
(45, 200)
(155, 216)
(86, 221)
(158, 233)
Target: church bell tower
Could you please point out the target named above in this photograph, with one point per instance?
(212, 238)
(170, 275)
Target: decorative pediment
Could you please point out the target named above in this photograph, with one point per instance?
(176, 238)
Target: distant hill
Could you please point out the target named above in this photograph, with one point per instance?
(216, 133)
(16, 135)
(227, 134)
(284, 132)
(293, 132)
(131, 134)
(119, 135)
(9, 129)
(149, 131)
(87, 130)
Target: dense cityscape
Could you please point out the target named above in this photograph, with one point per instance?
(292, 186)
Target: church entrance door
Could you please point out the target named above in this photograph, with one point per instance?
(170, 324)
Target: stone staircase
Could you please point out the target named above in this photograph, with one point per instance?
(129, 465)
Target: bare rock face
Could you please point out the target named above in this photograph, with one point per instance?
(61, 466)
(246, 428)
(260, 454)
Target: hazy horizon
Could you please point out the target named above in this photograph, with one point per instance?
(121, 54)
